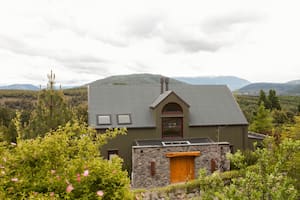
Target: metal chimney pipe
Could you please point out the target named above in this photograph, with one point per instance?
(161, 85)
(167, 83)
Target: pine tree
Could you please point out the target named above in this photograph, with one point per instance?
(273, 100)
(262, 122)
(50, 112)
(263, 99)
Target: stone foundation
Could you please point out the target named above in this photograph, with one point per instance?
(151, 167)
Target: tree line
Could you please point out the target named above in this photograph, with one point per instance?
(45, 110)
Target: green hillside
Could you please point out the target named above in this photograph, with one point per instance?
(291, 88)
(136, 79)
(248, 104)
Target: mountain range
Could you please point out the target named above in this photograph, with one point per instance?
(236, 84)
(232, 82)
(290, 88)
(19, 87)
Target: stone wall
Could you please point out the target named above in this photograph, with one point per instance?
(145, 176)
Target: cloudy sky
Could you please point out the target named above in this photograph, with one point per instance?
(86, 40)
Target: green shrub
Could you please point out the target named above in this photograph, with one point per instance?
(64, 164)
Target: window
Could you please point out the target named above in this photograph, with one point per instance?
(172, 121)
(172, 108)
(103, 119)
(112, 153)
(172, 126)
(124, 119)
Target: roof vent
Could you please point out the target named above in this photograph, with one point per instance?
(169, 143)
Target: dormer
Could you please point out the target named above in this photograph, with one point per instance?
(171, 115)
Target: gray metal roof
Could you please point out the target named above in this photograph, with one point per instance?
(209, 104)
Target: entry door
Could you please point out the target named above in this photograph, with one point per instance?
(182, 169)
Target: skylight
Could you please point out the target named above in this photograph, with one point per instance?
(103, 119)
(124, 119)
(168, 143)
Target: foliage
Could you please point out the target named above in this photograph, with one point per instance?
(26, 102)
(272, 177)
(65, 164)
(273, 100)
(80, 113)
(292, 130)
(28, 94)
(6, 114)
(241, 160)
(262, 122)
(280, 117)
(263, 99)
(51, 111)
(248, 104)
(237, 160)
(209, 185)
(7, 128)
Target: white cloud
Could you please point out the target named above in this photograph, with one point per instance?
(86, 40)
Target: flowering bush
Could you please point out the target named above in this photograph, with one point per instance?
(65, 164)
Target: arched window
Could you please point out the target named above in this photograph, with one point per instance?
(172, 121)
(172, 108)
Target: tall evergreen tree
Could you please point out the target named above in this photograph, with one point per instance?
(263, 99)
(50, 112)
(273, 100)
(262, 122)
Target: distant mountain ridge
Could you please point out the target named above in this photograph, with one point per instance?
(19, 87)
(237, 84)
(294, 82)
(288, 88)
(232, 82)
(30, 87)
(136, 79)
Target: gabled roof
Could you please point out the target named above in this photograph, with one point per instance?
(163, 96)
(209, 104)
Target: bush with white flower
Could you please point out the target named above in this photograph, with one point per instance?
(65, 164)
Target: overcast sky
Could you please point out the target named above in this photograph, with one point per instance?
(82, 41)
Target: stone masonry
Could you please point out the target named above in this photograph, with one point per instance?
(146, 176)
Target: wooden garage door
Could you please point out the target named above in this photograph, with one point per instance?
(182, 169)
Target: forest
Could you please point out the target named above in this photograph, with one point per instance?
(34, 166)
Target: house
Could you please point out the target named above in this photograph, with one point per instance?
(173, 129)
